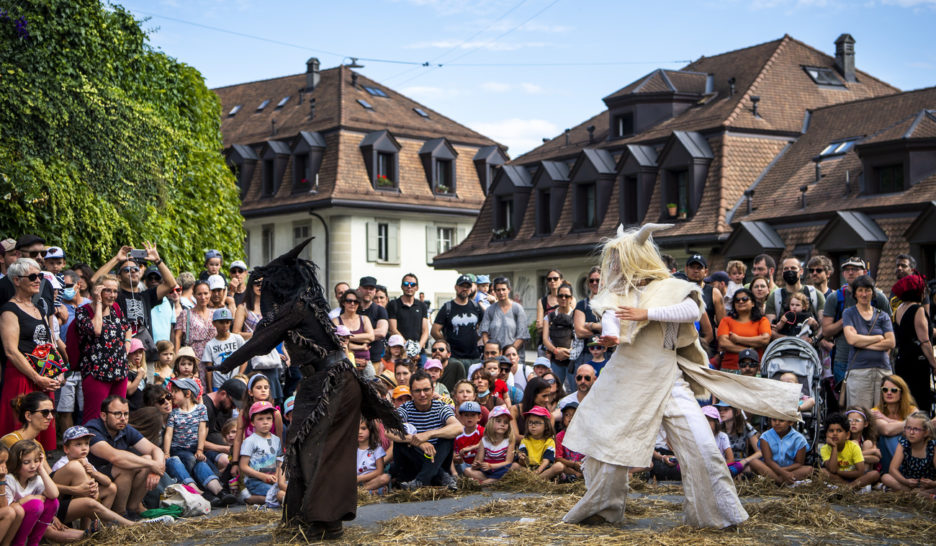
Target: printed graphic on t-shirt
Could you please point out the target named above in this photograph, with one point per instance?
(464, 319)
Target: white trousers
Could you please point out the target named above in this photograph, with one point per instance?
(711, 498)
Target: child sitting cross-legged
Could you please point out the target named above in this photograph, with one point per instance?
(259, 453)
(537, 450)
(370, 464)
(783, 453)
(468, 442)
(495, 455)
(721, 440)
(571, 460)
(913, 467)
(842, 461)
(184, 442)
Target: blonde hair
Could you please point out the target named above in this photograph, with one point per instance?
(907, 403)
(627, 264)
(927, 424)
(802, 298)
(736, 265)
(104, 278)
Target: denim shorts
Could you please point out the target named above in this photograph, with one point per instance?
(257, 487)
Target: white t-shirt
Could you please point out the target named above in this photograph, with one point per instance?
(60, 463)
(217, 351)
(367, 459)
(334, 312)
(15, 491)
(262, 452)
(723, 443)
(565, 400)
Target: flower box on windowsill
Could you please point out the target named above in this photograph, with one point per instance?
(501, 234)
(384, 182)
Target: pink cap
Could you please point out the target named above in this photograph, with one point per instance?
(135, 345)
(396, 340)
(498, 411)
(711, 411)
(342, 331)
(432, 363)
(540, 411)
(262, 405)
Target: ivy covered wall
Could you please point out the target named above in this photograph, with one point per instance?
(105, 141)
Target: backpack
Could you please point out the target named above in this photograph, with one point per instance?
(808, 290)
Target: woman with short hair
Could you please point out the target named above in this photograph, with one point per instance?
(870, 336)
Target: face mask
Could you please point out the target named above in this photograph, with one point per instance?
(790, 277)
(68, 293)
(483, 394)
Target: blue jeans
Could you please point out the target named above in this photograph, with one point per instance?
(257, 487)
(561, 371)
(182, 464)
(839, 368)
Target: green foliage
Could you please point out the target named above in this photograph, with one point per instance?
(105, 141)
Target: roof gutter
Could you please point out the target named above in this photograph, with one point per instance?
(356, 203)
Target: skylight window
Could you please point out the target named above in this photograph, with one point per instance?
(282, 102)
(377, 92)
(823, 76)
(365, 104)
(421, 112)
(838, 148)
(235, 110)
(263, 105)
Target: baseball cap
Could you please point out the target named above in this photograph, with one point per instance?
(215, 282)
(55, 252)
(151, 270)
(29, 240)
(748, 354)
(187, 384)
(432, 363)
(289, 404)
(469, 407)
(260, 407)
(594, 340)
(402, 390)
(463, 279)
(541, 361)
(722, 404)
(538, 410)
(342, 331)
(75, 432)
(570, 405)
(711, 411)
(855, 261)
(396, 340)
(222, 314)
(238, 264)
(718, 276)
(235, 389)
(367, 281)
(135, 345)
(696, 259)
(212, 254)
(483, 279)
(7, 245)
(497, 412)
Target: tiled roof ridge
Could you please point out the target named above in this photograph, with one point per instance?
(915, 116)
(341, 109)
(894, 96)
(721, 225)
(668, 81)
(647, 79)
(734, 51)
(857, 71)
(270, 79)
(740, 106)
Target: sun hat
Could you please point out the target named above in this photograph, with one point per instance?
(185, 352)
(432, 363)
(289, 404)
(540, 411)
(497, 412)
(711, 412)
(484, 279)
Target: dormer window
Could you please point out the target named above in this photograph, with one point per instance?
(685, 161)
(624, 124)
(823, 76)
(677, 193)
(275, 155)
(486, 162)
(543, 220)
(592, 181)
(586, 204)
(444, 176)
(375, 91)
(307, 159)
(887, 178)
(637, 172)
(505, 212)
(511, 194)
(438, 159)
(629, 200)
(234, 110)
(263, 105)
(385, 170)
(381, 158)
(242, 161)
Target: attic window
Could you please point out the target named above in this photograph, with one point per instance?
(838, 148)
(375, 91)
(365, 104)
(823, 76)
(282, 102)
(421, 112)
(624, 124)
(234, 110)
(263, 105)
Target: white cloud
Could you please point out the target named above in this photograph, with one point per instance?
(480, 44)
(425, 92)
(520, 135)
(501, 87)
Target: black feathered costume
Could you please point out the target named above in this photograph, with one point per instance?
(321, 443)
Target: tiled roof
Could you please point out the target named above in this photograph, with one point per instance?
(664, 81)
(889, 118)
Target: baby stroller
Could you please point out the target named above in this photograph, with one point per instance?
(795, 355)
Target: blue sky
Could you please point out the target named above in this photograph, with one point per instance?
(522, 70)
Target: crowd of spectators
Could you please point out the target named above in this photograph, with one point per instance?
(111, 366)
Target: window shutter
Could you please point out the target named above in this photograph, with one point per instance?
(432, 242)
(462, 234)
(371, 241)
(393, 242)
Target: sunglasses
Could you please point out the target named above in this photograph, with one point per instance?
(353, 302)
(892, 390)
(742, 300)
(130, 269)
(594, 281)
(438, 349)
(237, 270)
(177, 289)
(552, 279)
(409, 284)
(36, 253)
(167, 398)
(583, 378)
(595, 347)
(748, 364)
(564, 296)
(33, 277)
(45, 412)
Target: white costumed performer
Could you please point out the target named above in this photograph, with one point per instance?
(653, 379)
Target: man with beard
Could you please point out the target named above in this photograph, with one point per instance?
(457, 323)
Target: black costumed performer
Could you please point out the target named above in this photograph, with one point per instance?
(654, 378)
(321, 442)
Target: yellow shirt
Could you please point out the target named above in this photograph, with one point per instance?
(536, 450)
(848, 457)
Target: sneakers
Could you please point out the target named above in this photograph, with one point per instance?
(215, 501)
(227, 499)
(448, 481)
(161, 519)
(802, 482)
(864, 490)
(411, 485)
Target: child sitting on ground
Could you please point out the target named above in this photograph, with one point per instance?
(370, 464)
(741, 435)
(783, 453)
(467, 443)
(33, 492)
(571, 460)
(537, 450)
(863, 432)
(163, 367)
(806, 403)
(259, 453)
(721, 440)
(495, 455)
(8, 513)
(913, 467)
(842, 461)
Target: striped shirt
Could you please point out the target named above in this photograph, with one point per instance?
(494, 454)
(432, 419)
